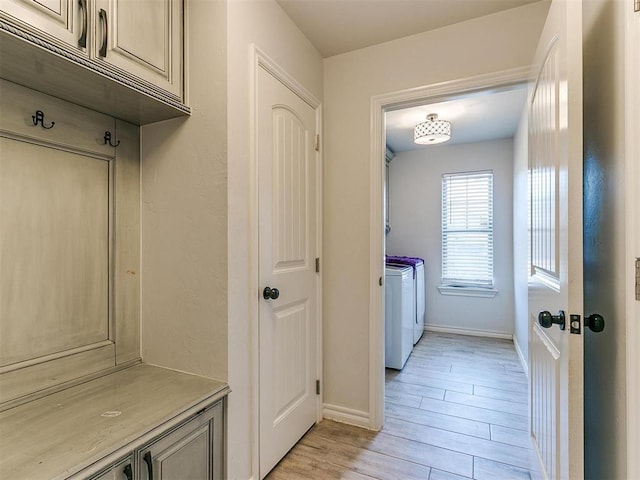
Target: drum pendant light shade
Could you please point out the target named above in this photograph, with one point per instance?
(432, 131)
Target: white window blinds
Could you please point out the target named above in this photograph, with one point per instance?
(467, 229)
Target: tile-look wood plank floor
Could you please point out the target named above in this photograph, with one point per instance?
(457, 410)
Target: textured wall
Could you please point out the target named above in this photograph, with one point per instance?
(184, 213)
(493, 43)
(415, 214)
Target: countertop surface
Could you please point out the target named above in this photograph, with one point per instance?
(60, 434)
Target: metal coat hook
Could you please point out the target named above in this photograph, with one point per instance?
(39, 118)
(107, 140)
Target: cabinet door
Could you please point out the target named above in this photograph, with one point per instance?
(217, 425)
(143, 38)
(194, 451)
(120, 471)
(184, 454)
(65, 20)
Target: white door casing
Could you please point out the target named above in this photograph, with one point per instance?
(632, 176)
(495, 81)
(286, 156)
(555, 168)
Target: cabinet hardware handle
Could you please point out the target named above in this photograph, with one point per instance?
(39, 118)
(128, 472)
(107, 140)
(105, 32)
(82, 41)
(149, 461)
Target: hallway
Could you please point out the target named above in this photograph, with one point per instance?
(457, 410)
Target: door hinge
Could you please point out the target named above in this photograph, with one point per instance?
(317, 146)
(636, 5)
(317, 264)
(638, 279)
(317, 387)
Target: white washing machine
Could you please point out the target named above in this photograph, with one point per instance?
(399, 315)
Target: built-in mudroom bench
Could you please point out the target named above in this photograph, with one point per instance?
(140, 422)
(77, 399)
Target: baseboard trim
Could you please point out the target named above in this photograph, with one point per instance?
(346, 415)
(468, 331)
(523, 361)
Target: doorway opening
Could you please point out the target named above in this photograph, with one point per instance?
(409, 225)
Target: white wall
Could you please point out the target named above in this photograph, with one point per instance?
(521, 239)
(605, 257)
(196, 189)
(184, 214)
(415, 180)
(493, 43)
(264, 23)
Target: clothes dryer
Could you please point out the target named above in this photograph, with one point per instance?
(399, 315)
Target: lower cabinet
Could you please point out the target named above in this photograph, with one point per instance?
(190, 451)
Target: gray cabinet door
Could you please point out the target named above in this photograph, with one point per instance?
(144, 39)
(191, 452)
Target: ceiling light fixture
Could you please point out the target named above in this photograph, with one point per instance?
(432, 131)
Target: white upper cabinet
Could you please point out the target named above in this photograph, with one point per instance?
(65, 20)
(124, 58)
(143, 38)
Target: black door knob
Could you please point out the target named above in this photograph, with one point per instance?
(595, 322)
(270, 293)
(546, 320)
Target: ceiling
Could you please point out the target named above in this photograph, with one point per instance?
(475, 118)
(339, 26)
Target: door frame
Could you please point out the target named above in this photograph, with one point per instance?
(379, 105)
(259, 59)
(632, 227)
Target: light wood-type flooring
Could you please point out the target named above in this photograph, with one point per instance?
(457, 410)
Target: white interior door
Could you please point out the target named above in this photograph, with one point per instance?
(287, 236)
(555, 166)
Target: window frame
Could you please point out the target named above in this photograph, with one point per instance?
(450, 285)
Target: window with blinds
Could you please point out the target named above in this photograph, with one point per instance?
(467, 229)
